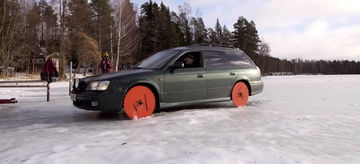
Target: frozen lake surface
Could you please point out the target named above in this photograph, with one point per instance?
(297, 119)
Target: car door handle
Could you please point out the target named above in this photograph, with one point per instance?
(232, 73)
(200, 75)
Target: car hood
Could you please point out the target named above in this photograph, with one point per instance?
(109, 76)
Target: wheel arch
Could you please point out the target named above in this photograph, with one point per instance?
(246, 81)
(153, 87)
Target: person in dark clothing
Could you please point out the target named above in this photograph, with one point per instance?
(192, 60)
(105, 64)
(189, 61)
(50, 70)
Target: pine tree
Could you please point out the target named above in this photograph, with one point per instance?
(177, 37)
(219, 33)
(185, 28)
(199, 30)
(147, 24)
(227, 36)
(184, 17)
(253, 38)
(104, 22)
(246, 37)
(164, 31)
(212, 36)
(80, 17)
(240, 33)
(158, 29)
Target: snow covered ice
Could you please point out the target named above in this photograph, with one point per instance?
(297, 119)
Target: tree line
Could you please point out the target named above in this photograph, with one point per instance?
(81, 30)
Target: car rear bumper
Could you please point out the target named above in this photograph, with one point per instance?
(106, 101)
(256, 87)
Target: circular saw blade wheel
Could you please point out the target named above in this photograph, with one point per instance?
(139, 102)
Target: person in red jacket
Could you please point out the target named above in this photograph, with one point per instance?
(105, 64)
(50, 70)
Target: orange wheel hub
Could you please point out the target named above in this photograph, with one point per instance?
(139, 102)
(240, 94)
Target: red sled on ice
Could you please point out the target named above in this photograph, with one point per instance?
(8, 101)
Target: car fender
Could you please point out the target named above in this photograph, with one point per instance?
(145, 81)
(241, 78)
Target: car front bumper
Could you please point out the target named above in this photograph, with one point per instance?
(106, 101)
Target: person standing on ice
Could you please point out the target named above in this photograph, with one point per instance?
(50, 70)
(105, 64)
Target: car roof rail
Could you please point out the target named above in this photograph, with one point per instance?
(212, 45)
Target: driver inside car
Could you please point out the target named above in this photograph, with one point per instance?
(189, 61)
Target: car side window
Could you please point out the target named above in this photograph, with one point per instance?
(225, 59)
(191, 60)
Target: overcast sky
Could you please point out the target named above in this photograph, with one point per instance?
(309, 29)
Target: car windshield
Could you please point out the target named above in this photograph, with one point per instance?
(157, 60)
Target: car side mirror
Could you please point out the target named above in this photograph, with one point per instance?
(178, 65)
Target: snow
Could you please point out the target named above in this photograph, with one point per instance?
(297, 119)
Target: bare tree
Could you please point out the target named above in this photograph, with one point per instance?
(264, 53)
(128, 37)
(264, 49)
(64, 41)
(10, 26)
(185, 10)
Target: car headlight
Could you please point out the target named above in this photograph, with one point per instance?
(98, 85)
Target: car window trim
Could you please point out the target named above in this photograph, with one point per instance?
(251, 63)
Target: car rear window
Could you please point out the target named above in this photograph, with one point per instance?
(215, 59)
(226, 59)
(238, 58)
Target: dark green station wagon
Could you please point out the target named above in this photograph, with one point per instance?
(175, 77)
